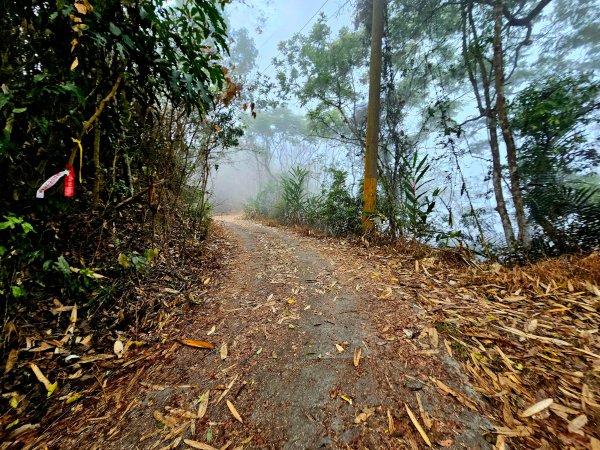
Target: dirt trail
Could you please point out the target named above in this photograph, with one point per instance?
(283, 305)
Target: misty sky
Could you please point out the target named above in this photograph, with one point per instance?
(278, 20)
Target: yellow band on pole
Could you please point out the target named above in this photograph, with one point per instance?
(78, 142)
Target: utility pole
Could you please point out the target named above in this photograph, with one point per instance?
(372, 143)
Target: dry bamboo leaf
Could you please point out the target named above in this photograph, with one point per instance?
(199, 445)
(594, 443)
(577, 424)
(339, 348)
(461, 398)
(357, 352)
(448, 348)
(391, 427)
(74, 314)
(226, 391)
(181, 413)
(587, 397)
(234, 412)
(223, 351)
(197, 344)
(507, 362)
(426, 419)
(75, 63)
(203, 405)
(178, 431)
(40, 376)
(521, 431)
(417, 425)
(500, 442)
(536, 408)
(507, 412)
(226, 446)
(165, 420)
(433, 337)
(212, 330)
(118, 348)
(537, 338)
(11, 360)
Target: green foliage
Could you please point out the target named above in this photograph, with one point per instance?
(137, 262)
(118, 69)
(17, 252)
(334, 210)
(558, 149)
(263, 204)
(76, 280)
(292, 205)
(339, 212)
(419, 199)
(322, 70)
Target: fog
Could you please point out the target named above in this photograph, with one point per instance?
(235, 182)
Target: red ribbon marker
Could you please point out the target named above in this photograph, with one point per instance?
(69, 173)
(70, 182)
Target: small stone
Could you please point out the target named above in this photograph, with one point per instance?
(414, 385)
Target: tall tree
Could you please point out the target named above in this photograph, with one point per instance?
(372, 141)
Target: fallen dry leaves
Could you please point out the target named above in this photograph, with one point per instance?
(528, 338)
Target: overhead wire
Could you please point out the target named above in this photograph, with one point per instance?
(271, 64)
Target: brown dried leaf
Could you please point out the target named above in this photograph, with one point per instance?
(118, 348)
(197, 344)
(40, 376)
(181, 413)
(199, 445)
(13, 356)
(234, 412)
(577, 424)
(168, 421)
(417, 425)
(433, 337)
(357, 353)
(223, 351)
(461, 398)
(203, 405)
(520, 431)
(227, 389)
(364, 415)
(536, 408)
(426, 419)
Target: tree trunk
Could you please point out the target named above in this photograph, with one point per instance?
(511, 150)
(98, 176)
(485, 109)
(370, 180)
(492, 125)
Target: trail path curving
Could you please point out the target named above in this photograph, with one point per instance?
(292, 310)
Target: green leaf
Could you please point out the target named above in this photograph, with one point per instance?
(123, 260)
(114, 29)
(27, 227)
(4, 99)
(18, 291)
